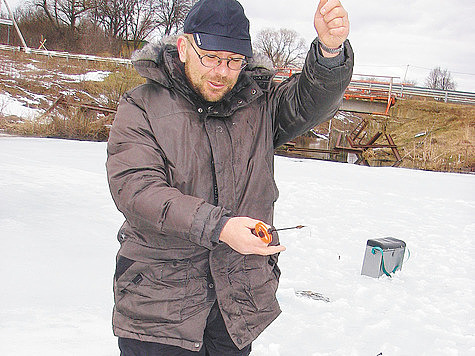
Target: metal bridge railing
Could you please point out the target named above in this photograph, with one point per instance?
(379, 88)
(406, 91)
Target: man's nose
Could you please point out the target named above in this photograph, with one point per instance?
(222, 68)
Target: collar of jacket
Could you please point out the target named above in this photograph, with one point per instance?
(159, 63)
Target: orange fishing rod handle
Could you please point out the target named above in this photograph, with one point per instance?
(262, 232)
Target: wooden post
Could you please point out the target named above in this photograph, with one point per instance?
(16, 27)
(389, 95)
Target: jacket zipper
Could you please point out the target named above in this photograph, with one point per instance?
(213, 169)
(215, 185)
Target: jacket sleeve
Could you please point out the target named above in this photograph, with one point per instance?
(309, 98)
(137, 176)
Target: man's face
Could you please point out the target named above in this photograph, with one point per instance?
(211, 83)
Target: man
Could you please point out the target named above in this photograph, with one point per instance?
(190, 166)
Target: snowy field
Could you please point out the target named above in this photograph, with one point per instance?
(12, 106)
(29, 102)
(59, 223)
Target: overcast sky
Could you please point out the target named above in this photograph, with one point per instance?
(399, 38)
(389, 35)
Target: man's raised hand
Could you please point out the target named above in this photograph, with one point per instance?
(331, 22)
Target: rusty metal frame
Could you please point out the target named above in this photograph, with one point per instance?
(359, 148)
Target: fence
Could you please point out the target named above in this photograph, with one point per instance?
(66, 55)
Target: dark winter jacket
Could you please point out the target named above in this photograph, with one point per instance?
(176, 166)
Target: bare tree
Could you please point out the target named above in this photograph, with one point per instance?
(64, 13)
(112, 16)
(440, 79)
(63, 16)
(136, 19)
(123, 22)
(71, 11)
(284, 47)
(45, 5)
(171, 14)
(142, 21)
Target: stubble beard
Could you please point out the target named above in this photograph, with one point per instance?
(199, 83)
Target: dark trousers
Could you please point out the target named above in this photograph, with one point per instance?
(217, 342)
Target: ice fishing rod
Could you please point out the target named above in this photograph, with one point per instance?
(265, 233)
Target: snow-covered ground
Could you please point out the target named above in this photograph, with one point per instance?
(29, 102)
(59, 224)
(96, 76)
(11, 106)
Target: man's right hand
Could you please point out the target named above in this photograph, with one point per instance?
(332, 24)
(237, 234)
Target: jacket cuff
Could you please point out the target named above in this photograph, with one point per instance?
(329, 62)
(206, 220)
(320, 75)
(219, 228)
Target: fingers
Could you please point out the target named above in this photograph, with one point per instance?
(237, 234)
(325, 6)
(271, 250)
(334, 14)
(320, 5)
(331, 22)
(254, 245)
(335, 17)
(339, 29)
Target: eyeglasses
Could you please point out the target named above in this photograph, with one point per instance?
(212, 61)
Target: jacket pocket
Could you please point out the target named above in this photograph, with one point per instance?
(151, 292)
(263, 275)
(123, 264)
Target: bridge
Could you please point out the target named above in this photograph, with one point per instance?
(375, 94)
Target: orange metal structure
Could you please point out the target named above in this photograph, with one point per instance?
(363, 90)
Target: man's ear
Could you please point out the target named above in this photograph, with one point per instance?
(181, 45)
